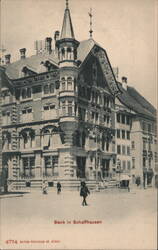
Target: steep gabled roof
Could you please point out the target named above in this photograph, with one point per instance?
(85, 47)
(133, 100)
(13, 69)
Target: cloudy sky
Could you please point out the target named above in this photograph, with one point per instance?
(125, 28)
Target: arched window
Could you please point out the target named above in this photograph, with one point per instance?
(63, 84)
(27, 139)
(69, 83)
(46, 138)
(6, 140)
(69, 55)
(63, 53)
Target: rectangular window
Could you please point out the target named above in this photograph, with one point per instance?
(144, 162)
(144, 144)
(118, 149)
(28, 165)
(36, 89)
(51, 88)
(69, 108)
(133, 144)
(123, 150)
(118, 117)
(69, 85)
(118, 133)
(127, 120)
(128, 135)
(143, 126)
(123, 134)
(149, 128)
(133, 162)
(63, 85)
(24, 111)
(124, 165)
(128, 165)
(128, 150)
(96, 117)
(6, 118)
(156, 157)
(52, 106)
(123, 119)
(46, 89)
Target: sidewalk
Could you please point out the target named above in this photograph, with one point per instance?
(12, 195)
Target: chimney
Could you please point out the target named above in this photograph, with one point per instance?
(124, 82)
(48, 44)
(22, 53)
(7, 59)
(56, 38)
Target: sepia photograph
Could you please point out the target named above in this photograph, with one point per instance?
(78, 116)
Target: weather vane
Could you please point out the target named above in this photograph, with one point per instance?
(90, 15)
(67, 4)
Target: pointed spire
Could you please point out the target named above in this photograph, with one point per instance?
(67, 29)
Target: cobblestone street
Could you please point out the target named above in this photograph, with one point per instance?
(126, 220)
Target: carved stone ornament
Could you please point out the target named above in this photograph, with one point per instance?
(100, 54)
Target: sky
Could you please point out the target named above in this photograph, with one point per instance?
(126, 29)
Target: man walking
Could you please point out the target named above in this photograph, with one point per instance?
(84, 192)
(58, 188)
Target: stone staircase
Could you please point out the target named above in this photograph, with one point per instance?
(36, 184)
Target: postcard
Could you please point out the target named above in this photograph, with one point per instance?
(79, 161)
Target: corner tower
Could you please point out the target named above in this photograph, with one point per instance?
(67, 53)
(67, 44)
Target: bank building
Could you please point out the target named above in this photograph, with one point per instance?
(65, 117)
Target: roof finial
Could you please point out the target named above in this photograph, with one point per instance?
(90, 15)
(67, 4)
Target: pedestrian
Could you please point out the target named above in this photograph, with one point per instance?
(44, 187)
(58, 188)
(84, 192)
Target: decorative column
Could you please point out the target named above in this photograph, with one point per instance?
(38, 165)
(67, 159)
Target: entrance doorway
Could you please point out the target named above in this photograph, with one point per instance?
(81, 164)
(105, 168)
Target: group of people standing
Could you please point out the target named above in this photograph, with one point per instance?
(84, 191)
